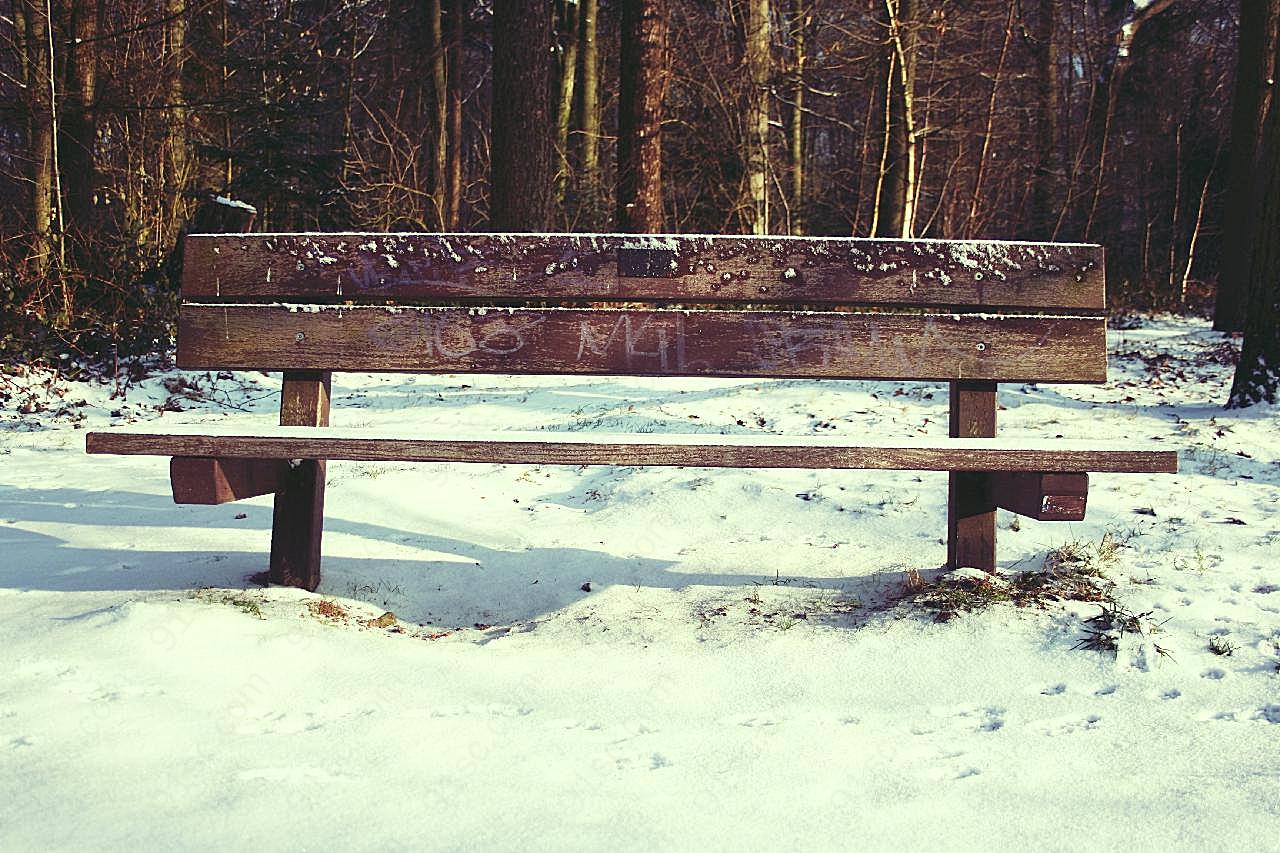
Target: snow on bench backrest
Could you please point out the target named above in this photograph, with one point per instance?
(506, 303)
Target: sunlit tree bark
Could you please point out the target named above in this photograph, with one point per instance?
(641, 91)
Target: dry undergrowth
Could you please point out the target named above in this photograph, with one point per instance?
(329, 611)
(1074, 571)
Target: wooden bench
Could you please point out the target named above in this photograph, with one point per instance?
(971, 313)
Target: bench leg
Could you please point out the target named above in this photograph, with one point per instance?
(299, 508)
(971, 507)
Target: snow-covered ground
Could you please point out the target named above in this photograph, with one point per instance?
(739, 673)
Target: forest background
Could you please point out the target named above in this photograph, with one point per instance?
(1140, 124)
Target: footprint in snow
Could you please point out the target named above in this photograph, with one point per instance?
(1054, 690)
(641, 761)
(1171, 694)
(755, 722)
(258, 723)
(1056, 726)
(1108, 690)
(492, 710)
(1214, 674)
(1269, 714)
(942, 774)
(278, 723)
(1224, 716)
(289, 774)
(988, 719)
(45, 669)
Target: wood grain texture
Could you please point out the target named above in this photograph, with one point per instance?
(205, 480)
(732, 451)
(971, 507)
(1042, 496)
(813, 270)
(644, 342)
(298, 519)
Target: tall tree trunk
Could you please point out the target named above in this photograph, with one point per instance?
(78, 124)
(1048, 174)
(564, 107)
(758, 40)
(522, 168)
(175, 184)
(42, 142)
(20, 41)
(1125, 24)
(799, 28)
(642, 88)
(1254, 69)
(1258, 373)
(458, 26)
(896, 202)
(591, 182)
(439, 116)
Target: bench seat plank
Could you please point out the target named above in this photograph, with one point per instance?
(644, 342)
(698, 449)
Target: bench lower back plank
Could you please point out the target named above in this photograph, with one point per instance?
(643, 342)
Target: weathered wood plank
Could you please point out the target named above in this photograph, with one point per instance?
(645, 342)
(971, 509)
(1042, 496)
(205, 480)
(812, 270)
(298, 520)
(734, 451)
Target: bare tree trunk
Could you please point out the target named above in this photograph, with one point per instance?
(78, 125)
(591, 181)
(1254, 70)
(20, 42)
(453, 202)
(176, 120)
(564, 109)
(1257, 376)
(973, 224)
(799, 25)
(1103, 109)
(228, 166)
(42, 139)
(522, 167)
(642, 87)
(1048, 174)
(896, 202)
(1195, 237)
(439, 115)
(757, 130)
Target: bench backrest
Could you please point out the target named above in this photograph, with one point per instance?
(644, 305)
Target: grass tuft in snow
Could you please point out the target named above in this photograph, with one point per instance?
(241, 601)
(1222, 647)
(1106, 631)
(1074, 571)
(958, 592)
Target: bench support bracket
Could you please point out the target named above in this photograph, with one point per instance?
(299, 509)
(214, 480)
(1042, 496)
